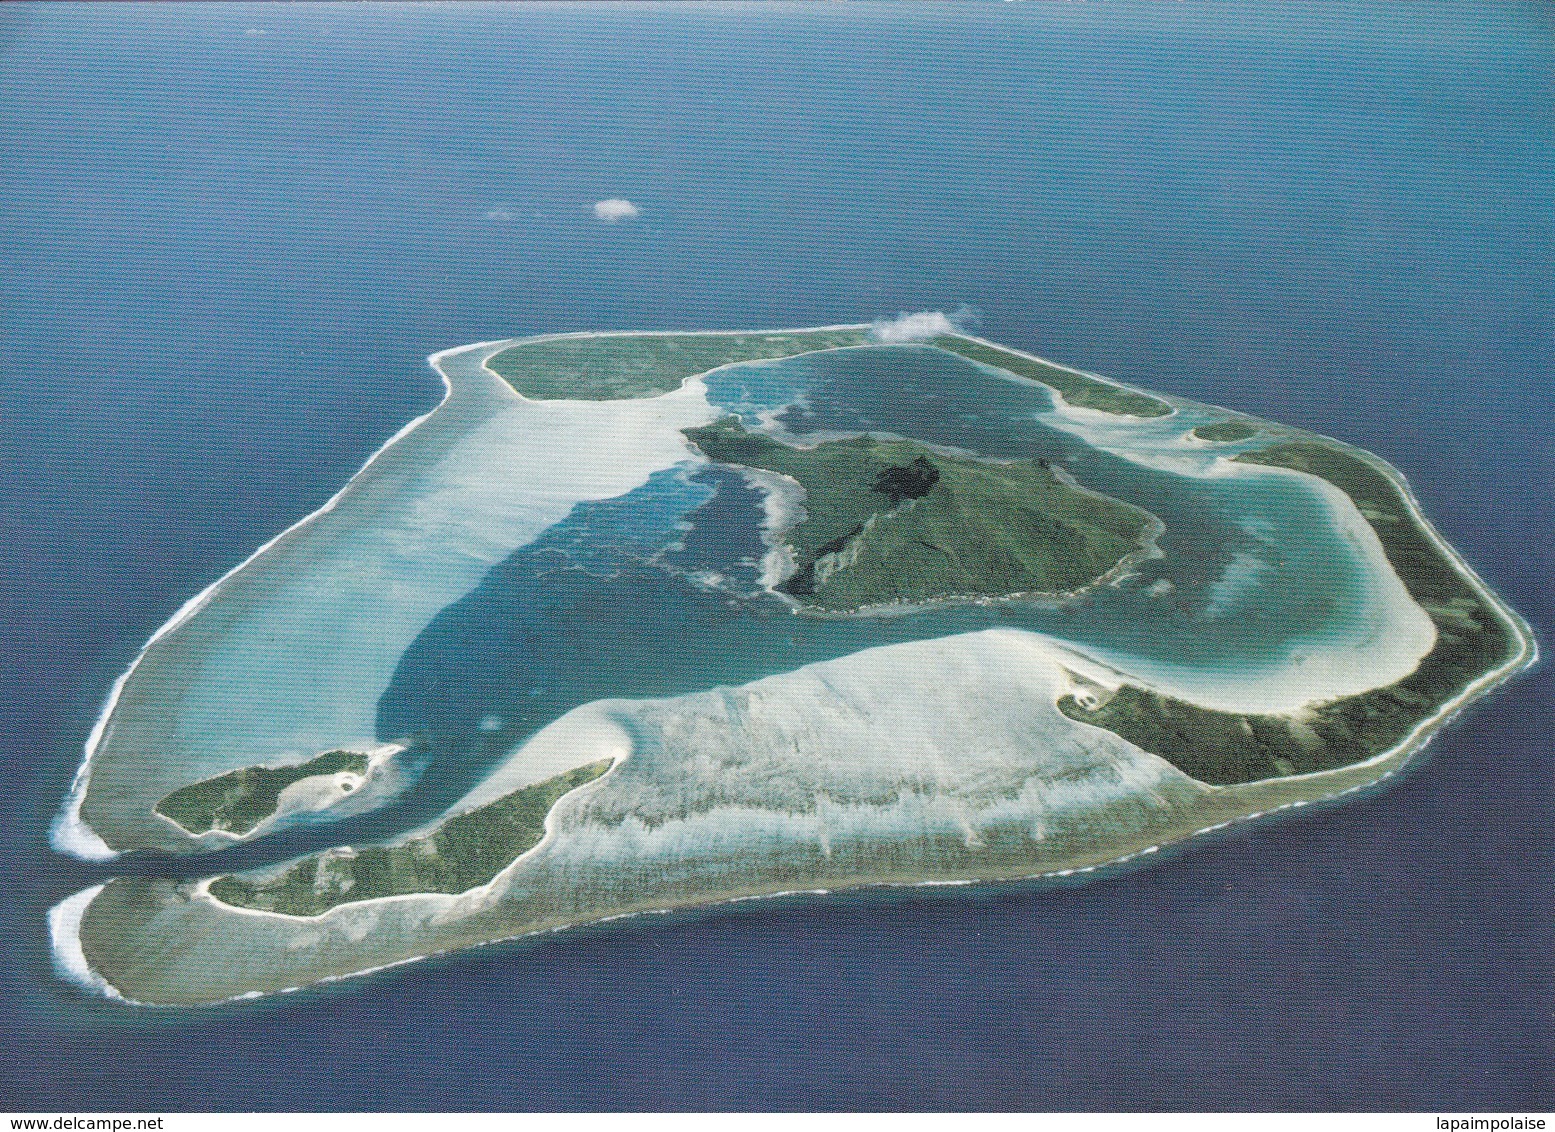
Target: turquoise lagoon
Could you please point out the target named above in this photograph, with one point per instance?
(455, 600)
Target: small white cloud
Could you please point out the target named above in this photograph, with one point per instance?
(256, 31)
(615, 209)
(914, 327)
(502, 214)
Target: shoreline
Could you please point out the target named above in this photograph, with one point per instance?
(64, 921)
(1172, 403)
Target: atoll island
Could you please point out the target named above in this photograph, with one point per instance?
(640, 621)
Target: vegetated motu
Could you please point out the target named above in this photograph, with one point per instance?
(893, 521)
(605, 367)
(1078, 389)
(238, 801)
(1226, 431)
(1224, 747)
(462, 853)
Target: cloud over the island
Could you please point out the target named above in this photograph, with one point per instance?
(615, 209)
(920, 326)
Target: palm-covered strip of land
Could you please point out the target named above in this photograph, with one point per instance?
(1077, 389)
(1222, 748)
(889, 521)
(604, 367)
(464, 852)
(1226, 431)
(238, 801)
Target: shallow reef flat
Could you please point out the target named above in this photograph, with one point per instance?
(937, 760)
(310, 628)
(983, 751)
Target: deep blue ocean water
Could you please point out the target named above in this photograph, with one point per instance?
(225, 255)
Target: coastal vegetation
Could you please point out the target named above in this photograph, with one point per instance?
(889, 521)
(605, 367)
(238, 801)
(1077, 389)
(464, 852)
(1226, 431)
(1222, 748)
